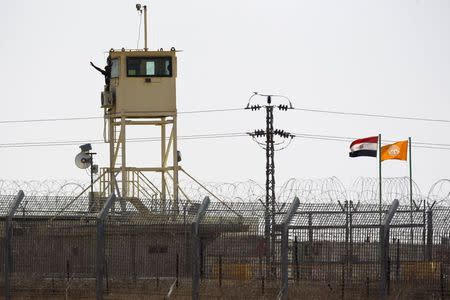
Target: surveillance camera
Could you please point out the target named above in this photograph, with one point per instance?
(86, 148)
(138, 7)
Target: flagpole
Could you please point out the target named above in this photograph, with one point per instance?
(410, 188)
(379, 173)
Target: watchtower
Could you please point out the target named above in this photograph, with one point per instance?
(140, 90)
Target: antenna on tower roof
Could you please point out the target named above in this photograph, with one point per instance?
(139, 9)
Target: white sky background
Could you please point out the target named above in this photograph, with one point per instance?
(381, 57)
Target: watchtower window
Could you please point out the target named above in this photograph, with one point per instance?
(115, 68)
(149, 66)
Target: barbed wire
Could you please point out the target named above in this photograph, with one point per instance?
(322, 190)
(50, 187)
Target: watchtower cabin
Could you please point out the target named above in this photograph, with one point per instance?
(140, 90)
(142, 83)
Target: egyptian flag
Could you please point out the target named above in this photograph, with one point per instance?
(364, 147)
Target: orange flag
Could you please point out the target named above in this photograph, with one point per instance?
(397, 150)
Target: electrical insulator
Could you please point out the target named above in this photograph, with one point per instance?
(259, 133)
(282, 133)
(255, 107)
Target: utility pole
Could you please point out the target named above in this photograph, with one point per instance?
(269, 146)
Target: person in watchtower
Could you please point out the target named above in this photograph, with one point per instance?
(106, 72)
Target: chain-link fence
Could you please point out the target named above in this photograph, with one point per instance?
(208, 249)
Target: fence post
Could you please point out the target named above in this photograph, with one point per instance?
(297, 271)
(196, 247)
(285, 247)
(350, 253)
(177, 270)
(384, 249)
(8, 260)
(429, 235)
(344, 265)
(100, 247)
(220, 270)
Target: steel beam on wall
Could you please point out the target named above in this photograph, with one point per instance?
(196, 247)
(384, 249)
(100, 246)
(8, 259)
(285, 247)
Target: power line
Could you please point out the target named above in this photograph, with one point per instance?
(345, 113)
(350, 139)
(210, 110)
(345, 139)
(97, 118)
(424, 145)
(98, 141)
(49, 120)
(373, 115)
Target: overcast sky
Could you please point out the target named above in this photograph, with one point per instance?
(376, 57)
